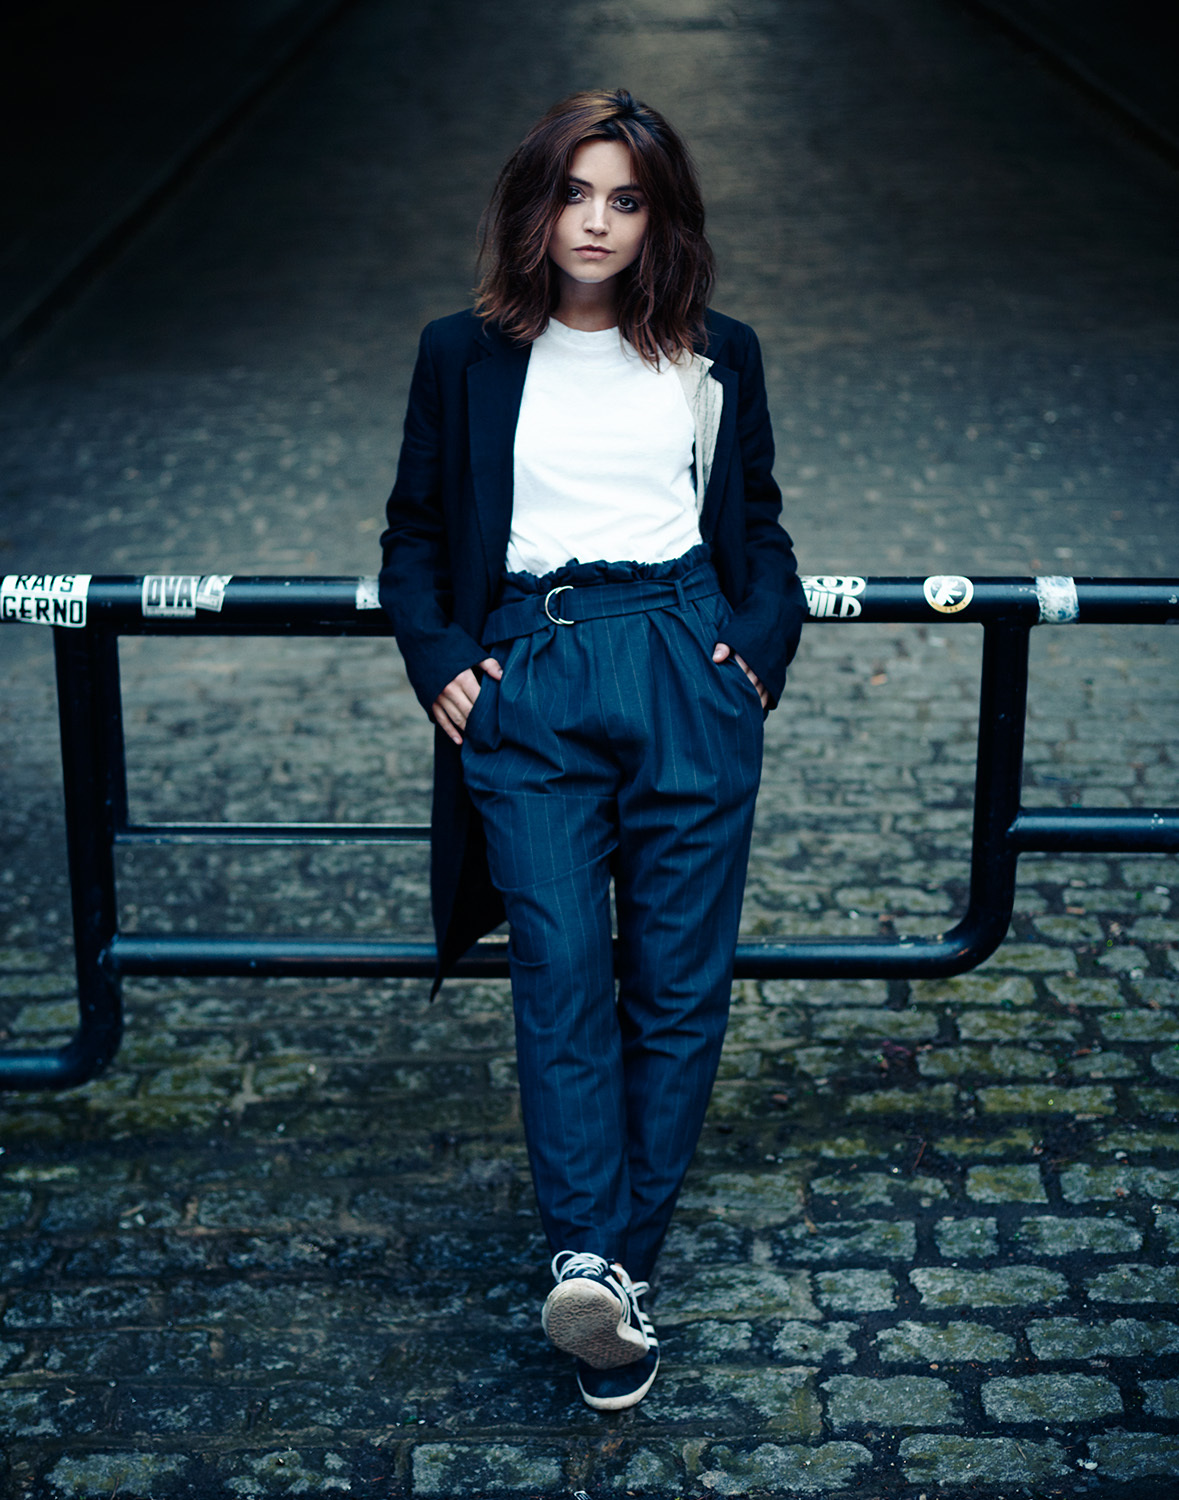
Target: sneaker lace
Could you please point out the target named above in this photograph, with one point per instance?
(576, 1263)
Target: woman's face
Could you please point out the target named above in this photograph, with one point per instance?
(601, 228)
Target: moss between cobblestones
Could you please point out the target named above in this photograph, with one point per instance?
(978, 1061)
(1046, 1235)
(1070, 990)
(1167, 1223)
(779, 1400)
(1088, 1184)
(1014, 1142)
(1038, 1099)
(897, 1401)
(287, 1472)
(1103, 1064)
(806, 1342)
(947, 1343)
(743, 1291)
(966, 1239)
(1029, 957)
(484, 1468)
(865, 1239)
(867, 1188)
(714, 1342)
(750, 1197)
(1163, 1103)
(875, 1025)
(1007, 1286)
(1050, 1398)
(656, 1469)
(975, 989)
(1128, 1283)
(856, 1291)
(138, 1476)
(1120, 1338)
(1160, 1398)
(1135, 1455)
(1015, 1184)
(959, 1461)
(735, 1470)
(1166, 1062)
(14, 1208)
(1000, 1025)
(1125, 960)
(939, 1098)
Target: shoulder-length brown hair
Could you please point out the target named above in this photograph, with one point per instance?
(662, 296)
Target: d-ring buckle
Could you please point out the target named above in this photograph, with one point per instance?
(557, 619)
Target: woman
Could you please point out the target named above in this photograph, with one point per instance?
(596, 606)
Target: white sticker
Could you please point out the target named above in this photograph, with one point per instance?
(45, 599)
(366, 594)
(170, 595)
(210, 592)
(948, 592)
(833, 596)
(1057, 597)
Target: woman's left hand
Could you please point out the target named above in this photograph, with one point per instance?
(721, 652)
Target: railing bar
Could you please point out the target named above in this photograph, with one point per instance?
(1095, 830)
(224, 955)
(93, 763)
(272, 833)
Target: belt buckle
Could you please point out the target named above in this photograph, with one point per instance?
(557, 619)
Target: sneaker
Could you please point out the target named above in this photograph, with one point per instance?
(592, 1312)
(615, 1390)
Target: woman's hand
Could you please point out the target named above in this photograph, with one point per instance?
(454, 703)
(721, 652)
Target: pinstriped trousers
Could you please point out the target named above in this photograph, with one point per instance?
(617, 749)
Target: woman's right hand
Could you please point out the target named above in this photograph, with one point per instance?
(454, 703)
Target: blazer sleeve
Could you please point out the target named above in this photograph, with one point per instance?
(415, 585)
(767, 621)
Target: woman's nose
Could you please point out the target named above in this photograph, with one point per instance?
(595, 217)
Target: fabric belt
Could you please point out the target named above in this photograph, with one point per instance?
(570, 605)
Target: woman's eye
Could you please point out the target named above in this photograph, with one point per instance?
(627, 205)
(572, 194)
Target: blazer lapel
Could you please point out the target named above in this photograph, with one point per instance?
(726, 436)
(495, 385)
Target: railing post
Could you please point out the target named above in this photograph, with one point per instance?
(1003, 692)
(90, 718)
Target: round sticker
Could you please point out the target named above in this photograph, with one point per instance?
(948, 592)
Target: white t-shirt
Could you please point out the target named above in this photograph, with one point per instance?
(603, 456)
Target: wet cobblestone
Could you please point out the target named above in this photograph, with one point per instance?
(287, 1245)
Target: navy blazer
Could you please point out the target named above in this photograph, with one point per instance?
(449, 520)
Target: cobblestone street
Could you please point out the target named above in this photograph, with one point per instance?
(929, 1247)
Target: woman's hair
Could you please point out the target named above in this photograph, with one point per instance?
(663, 294)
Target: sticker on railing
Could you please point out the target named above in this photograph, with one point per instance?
(45, 599)
(210, 592)
(948, 592)
(1057, 597)
(178, 596)
(833, 596)
(366, 594)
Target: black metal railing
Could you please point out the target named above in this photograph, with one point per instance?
(97, 822)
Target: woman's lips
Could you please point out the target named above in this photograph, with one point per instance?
(592, 252)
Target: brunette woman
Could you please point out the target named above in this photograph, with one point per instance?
(596, 605)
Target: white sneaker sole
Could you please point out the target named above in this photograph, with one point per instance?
(583, 1317)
